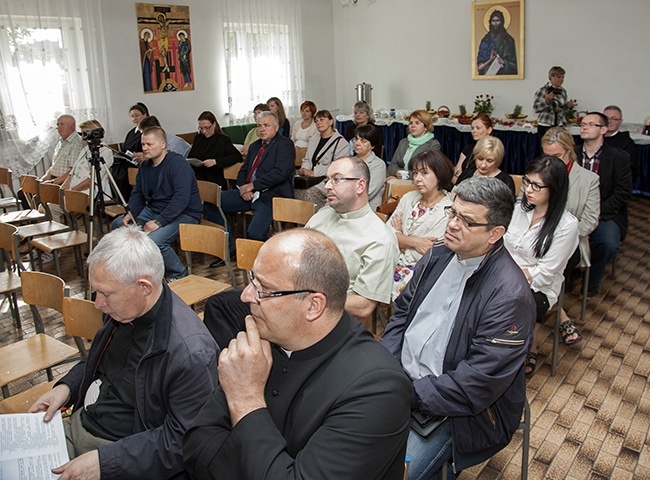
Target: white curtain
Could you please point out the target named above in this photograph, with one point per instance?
(52, 61)
(264, 56)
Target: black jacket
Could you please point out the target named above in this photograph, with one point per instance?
(483, 386)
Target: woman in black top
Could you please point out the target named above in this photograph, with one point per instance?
(215, 150)
(275, 104)
(488, 155)
(481, 127)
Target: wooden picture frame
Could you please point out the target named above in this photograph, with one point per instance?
(498, 48)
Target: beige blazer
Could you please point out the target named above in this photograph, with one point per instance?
(584, 204)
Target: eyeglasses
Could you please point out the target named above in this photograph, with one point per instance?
(614, 119)
(534, 185)
(590, 125)
(205, 129)
(263, 294)
(451, 214)
(337, 180)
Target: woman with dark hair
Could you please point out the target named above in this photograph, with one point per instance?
(363, 115)
(481, 127)
(420, 219)
(132, 141)
(303, 130)
(365, 140)
(275, 104)
(215, 150)
(322, 150)
(541, 237)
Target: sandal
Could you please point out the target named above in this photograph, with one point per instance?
(568, 329)
(530, 364)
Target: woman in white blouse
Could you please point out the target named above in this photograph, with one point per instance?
(304, 129)
(420, 219)
(541, 237)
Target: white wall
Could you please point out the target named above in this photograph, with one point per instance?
(412, 51)
(178, 111)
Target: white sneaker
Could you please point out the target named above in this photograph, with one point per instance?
(45, 257)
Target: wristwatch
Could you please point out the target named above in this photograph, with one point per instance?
(157, 223)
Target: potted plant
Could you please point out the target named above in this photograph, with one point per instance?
(483, 104)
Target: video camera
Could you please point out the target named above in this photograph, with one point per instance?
(93, 136)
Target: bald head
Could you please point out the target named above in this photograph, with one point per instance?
(66, 126)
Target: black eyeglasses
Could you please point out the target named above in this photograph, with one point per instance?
(337, 180)
(590, 125)
(262, 294)
(534, 185)
(451, 214)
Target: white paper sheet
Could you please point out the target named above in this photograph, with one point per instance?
(30, 448)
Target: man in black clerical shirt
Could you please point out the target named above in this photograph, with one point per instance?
(150, 369)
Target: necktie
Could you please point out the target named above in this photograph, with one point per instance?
(256, 162)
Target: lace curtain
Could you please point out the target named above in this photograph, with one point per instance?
(52, 61)
(264, 58)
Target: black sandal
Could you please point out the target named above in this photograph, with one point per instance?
(530, 364)
(567, 329)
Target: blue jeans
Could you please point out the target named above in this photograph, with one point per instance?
(163, 237)
(258, 228)
(428, 455)
(605, 242)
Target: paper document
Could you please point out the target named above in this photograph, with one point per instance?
(195, 162)
(495, 66)
(30, 448)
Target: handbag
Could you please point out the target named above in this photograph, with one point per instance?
(388, 207)
(425, 425)
(302, 181)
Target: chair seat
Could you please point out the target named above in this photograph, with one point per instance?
(42, 228)
(193, 288)
(60, 240)
(114, 211)
(9, 282)
(21, 402)
(8, 202)
(32, 355)
(22, 216)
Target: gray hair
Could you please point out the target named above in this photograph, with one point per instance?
(493, 194)
(262, 115)
(128, 254)
(364, 107)
(321, 266)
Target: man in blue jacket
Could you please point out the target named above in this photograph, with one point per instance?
(267, 172)
(165, 195)
(150, 369)
(461, 329)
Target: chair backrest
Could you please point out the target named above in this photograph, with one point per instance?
(132, 173)
(519, 181)
(300, 155)
(209, 192)
(231, 172)
(43, 290)
(81, 318)
(247, 251)
(204, 239)
(76, 202)
(398, 190)
(9, 240)
(188, 137)
(5, 179)
(29, 186)
(292, 210)
(382, 216)
(49, 193)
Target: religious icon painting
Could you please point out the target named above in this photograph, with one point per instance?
(165, 47)
(498, 40)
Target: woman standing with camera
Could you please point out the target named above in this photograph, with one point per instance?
(551, 102)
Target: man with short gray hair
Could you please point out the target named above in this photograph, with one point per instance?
(267, 172)
(148, 372)
(66, 152)
(461, 329)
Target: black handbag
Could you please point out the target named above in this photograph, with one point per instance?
(425, 425)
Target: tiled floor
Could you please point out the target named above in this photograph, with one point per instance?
(590, 421)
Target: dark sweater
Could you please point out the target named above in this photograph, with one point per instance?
(218, 147)
(623, 141)
(169, 189)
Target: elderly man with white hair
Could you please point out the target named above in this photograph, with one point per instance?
(149, 370)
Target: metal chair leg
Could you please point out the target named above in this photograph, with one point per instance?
(585, 287)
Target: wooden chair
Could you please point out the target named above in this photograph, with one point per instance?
(21, 402)
(398, 190)
(230, 174)
(300, 155)
(28, 184)
(204, 239)
(75, 203)
(10, 201)
(519, 181)
(188, 137)
(82, 320)
(291, 210)
(40, 352)
(211, 193)
(247, 251)
(48, 193)
(10, 279)
(382, 216)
